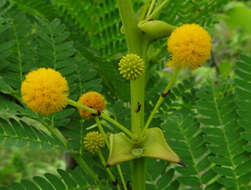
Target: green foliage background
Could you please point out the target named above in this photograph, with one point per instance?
(206, 117)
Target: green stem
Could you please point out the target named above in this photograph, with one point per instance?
(108, 145)
(136, 44)
(121, 176)
(137, 102)
(157, 10)
(132, 33)
(81, 136)
(104, 116)
(138, 180)
(84, 165)
(144, 10)
(151, 8)
(81, 106)
(117, 124)
(108, 170)
(101, 130)
(54, 131)
(161, 98)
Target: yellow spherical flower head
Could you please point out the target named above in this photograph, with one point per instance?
(45, 91)
(93, 141)
(190, 46)
(92, 100)
(131, 66)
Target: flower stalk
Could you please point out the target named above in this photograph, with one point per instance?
(162, 97)
(114, 181)
(104, 116)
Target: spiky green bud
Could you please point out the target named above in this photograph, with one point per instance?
(93, 141)
(131, 66)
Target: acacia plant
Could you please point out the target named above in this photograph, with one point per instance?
(125, 122)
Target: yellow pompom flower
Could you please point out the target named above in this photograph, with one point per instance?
(45, 91)
(93, 141)
(92, 100)
(190, 46)
(131, 66)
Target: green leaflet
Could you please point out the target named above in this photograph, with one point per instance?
(243, 97)
(160, 177)
(217, 111)
(74, 180)
(15, 131)
(200, 12)
(184, 134)
(105, 34)
(18, 52)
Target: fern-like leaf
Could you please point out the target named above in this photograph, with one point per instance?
(22, 52)
(41, 8)
(159, 178)
(185, 136)
(74, 180)
(189, 11)
(243, 97)
(101, 21)
(56, 51)
(15, 131)
(216, 110)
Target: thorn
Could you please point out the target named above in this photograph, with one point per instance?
(165, 94)
(128, 185)
(182, 164)
(107, 165)
(99, 113)
(139, 107)
(96, 114)
(115, 182)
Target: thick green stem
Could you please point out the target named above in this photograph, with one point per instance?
(137, 106)
(132, 33)
(162, 97)
(104, 116)
(138, 178)
(136, 44)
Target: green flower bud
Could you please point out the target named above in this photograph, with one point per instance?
(93, 141)
(156, 29)
(131, 66)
